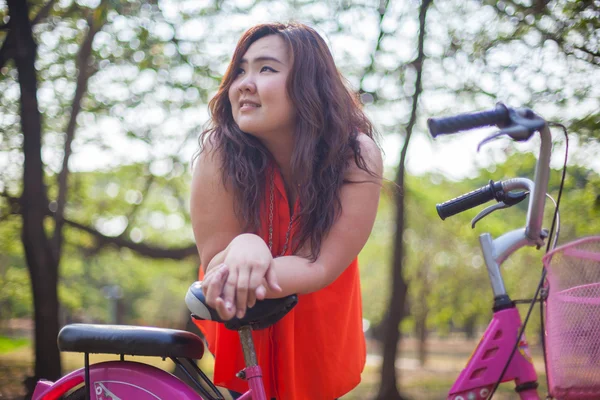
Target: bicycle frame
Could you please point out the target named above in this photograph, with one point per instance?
(496, 346)
(490, 357)
(252, 372)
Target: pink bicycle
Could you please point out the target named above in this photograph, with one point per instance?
(569, 288)
(127, 380)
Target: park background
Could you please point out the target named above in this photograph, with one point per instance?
(101, 105)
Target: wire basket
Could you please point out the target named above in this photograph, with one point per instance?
(573, 320)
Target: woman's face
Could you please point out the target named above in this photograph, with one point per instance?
(259, 100)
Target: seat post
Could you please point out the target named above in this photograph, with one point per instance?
(245, 333)
(87, 384)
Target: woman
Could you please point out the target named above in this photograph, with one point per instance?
(284, 196)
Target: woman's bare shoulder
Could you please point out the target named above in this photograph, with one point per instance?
(371, 154)
(208, 168)
(211, 204)
(209, 192)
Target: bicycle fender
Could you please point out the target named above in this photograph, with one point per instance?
(121, 380)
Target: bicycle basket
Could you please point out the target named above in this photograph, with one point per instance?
(573, 320)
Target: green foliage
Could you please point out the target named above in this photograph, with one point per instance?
(10, 344)
(112, 202)
(123, 203)
(15, 291)
(152, 290)
(374, 261)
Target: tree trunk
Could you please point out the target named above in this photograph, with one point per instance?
(42, 264)
(83, 76)
(422, 312)
(470, 327)
(388, 389)
(391, 333)
(421, 328)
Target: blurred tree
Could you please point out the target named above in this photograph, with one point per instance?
(544, 55)
(388, 389)
(41, 259)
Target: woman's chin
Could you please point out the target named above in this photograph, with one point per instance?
(254, 128)
(252, 131)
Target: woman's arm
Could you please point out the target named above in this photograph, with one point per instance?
(220, 239)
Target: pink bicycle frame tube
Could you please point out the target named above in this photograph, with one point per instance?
(124, 379)
(489, 359)
(257, 389)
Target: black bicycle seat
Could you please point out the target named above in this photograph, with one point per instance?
(264, 313)
(130, 340)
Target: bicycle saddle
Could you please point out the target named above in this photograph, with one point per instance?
(130, 340)
(264, 313)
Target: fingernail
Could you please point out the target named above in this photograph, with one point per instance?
(240, 314)
(228, 305)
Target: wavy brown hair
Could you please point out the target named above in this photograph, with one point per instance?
(329, 118)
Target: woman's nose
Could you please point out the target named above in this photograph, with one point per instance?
(247, 84)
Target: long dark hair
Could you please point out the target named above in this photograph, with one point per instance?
(329, 118)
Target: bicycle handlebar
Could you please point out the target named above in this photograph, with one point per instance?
(469, 200)
(519, 124)
(499, 116)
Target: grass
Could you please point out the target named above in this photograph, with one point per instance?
(9, 344)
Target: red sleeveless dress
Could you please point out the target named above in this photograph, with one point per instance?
(317, 351)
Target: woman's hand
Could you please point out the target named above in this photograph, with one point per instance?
(212, 286)
(239, 281)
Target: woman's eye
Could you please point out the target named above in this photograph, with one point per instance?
(267, 69)
(239, 71)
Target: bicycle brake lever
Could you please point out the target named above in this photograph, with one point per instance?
(519, 133)
(488, 139)
(516, 132)
(510, 199)
(487, 211)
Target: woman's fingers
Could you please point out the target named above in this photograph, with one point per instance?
(212, 285)
(205, 283)
(271, 277)
(261, 292)
(251, 297)
(229, 290)
(242, 291)
(224, 312)
(208, 278)
(257, 278)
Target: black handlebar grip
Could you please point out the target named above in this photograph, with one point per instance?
(466, 201)
(446, 125)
